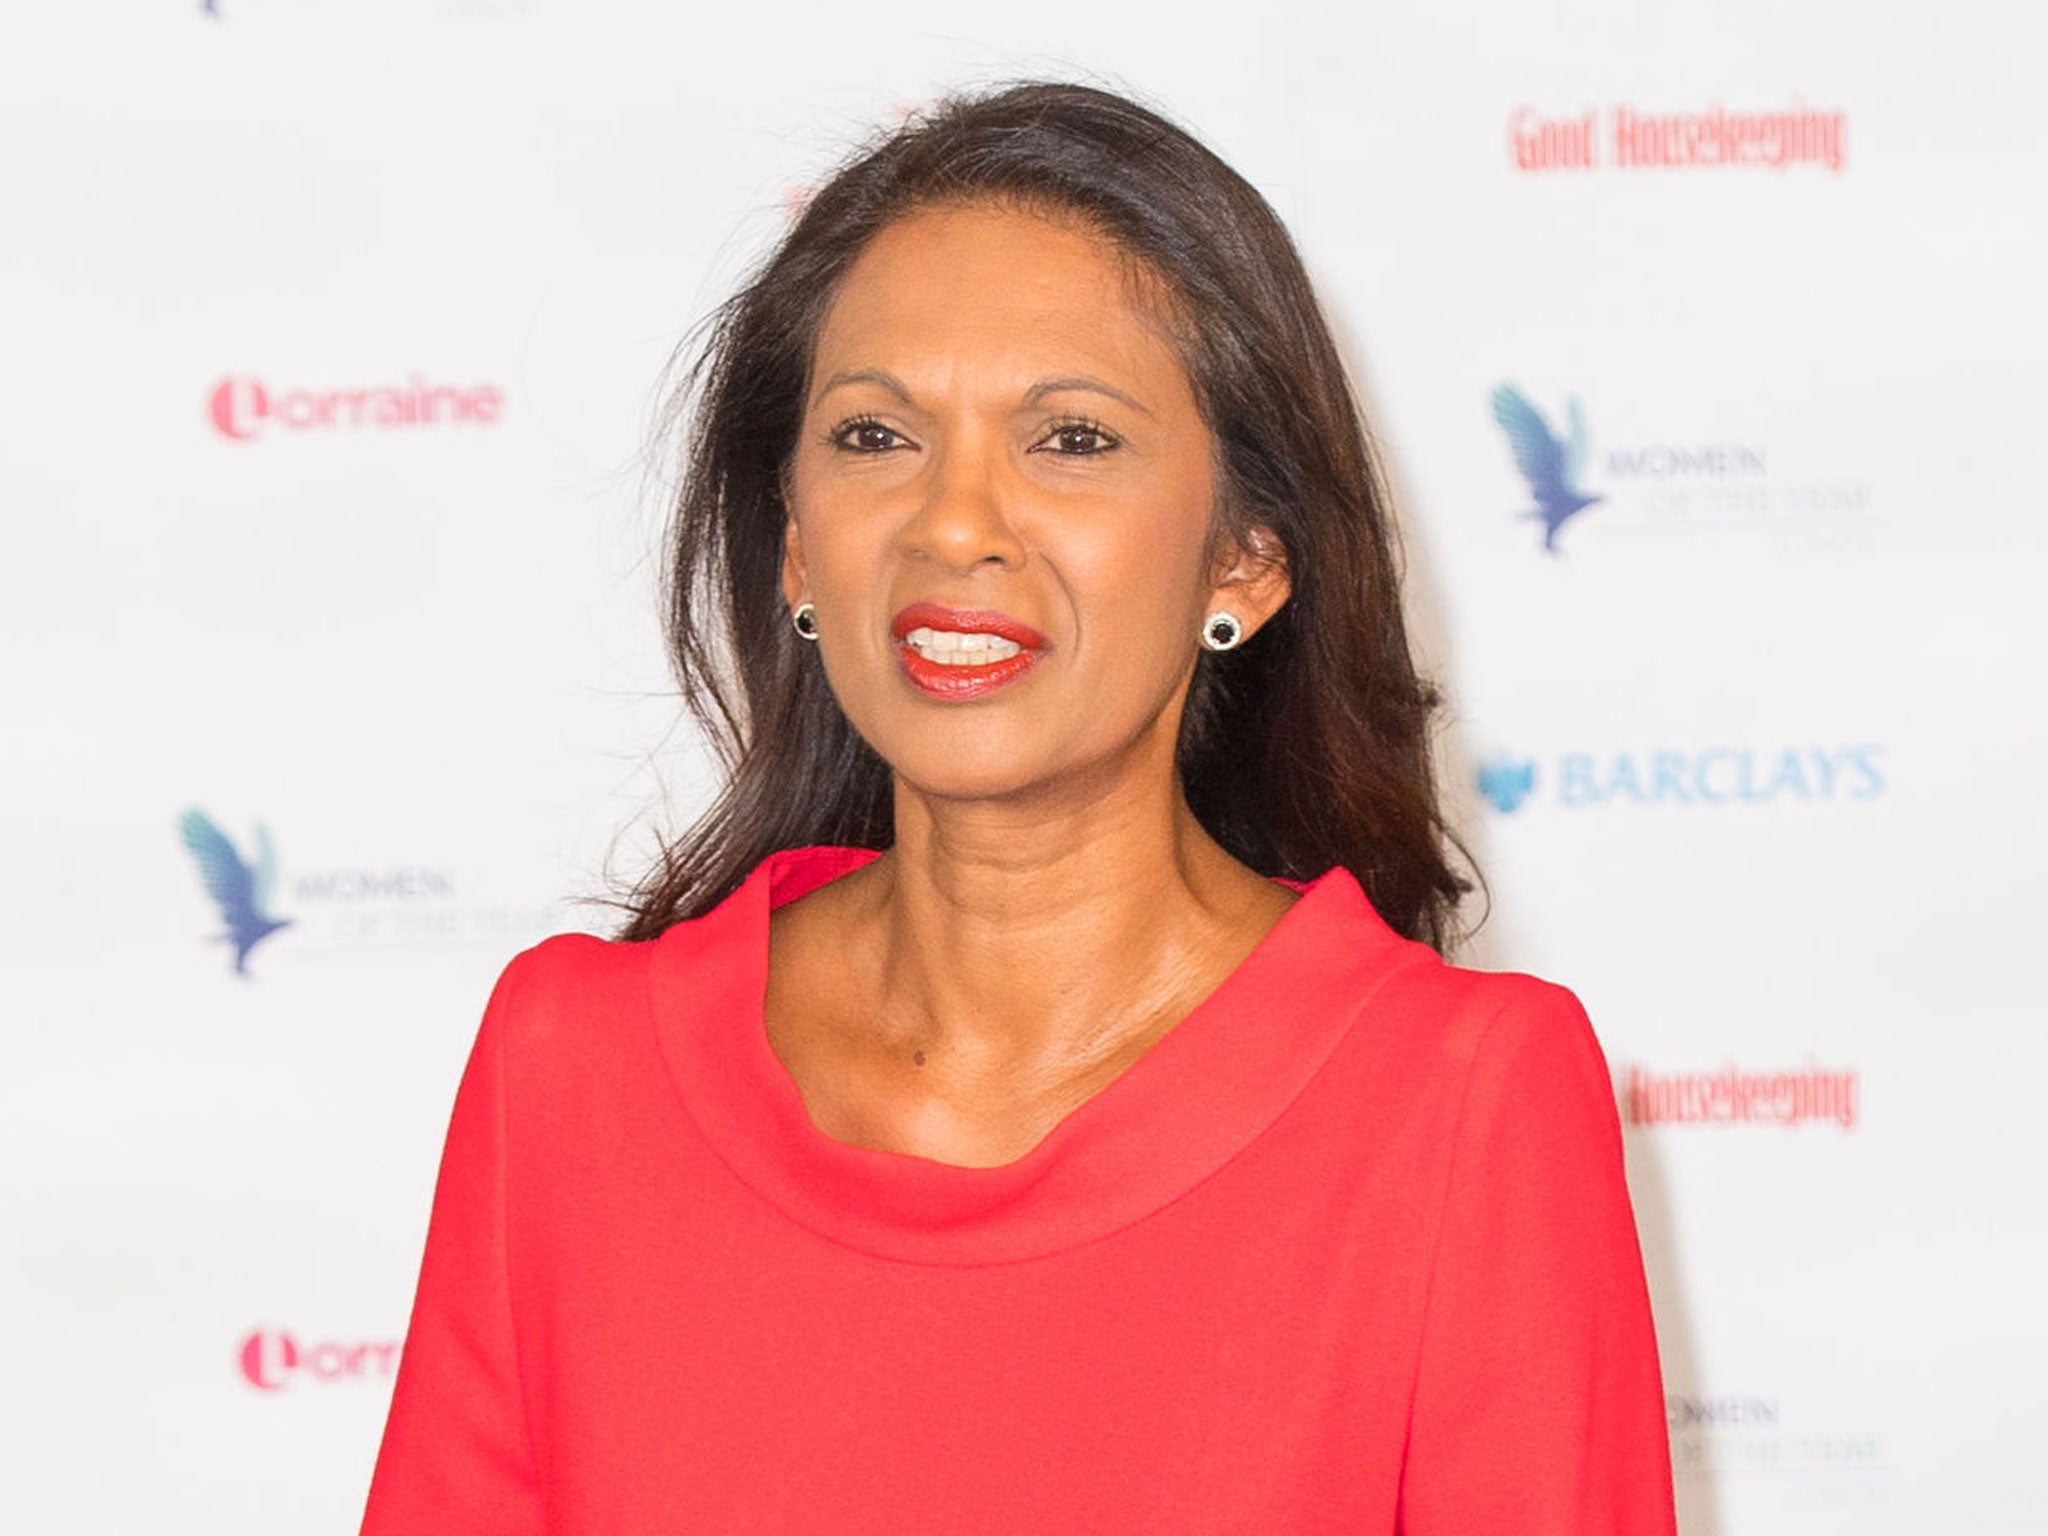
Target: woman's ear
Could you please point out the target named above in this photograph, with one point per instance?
(1252, 582)
(795, 579)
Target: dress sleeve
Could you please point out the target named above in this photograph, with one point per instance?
(457, 1458)
(1538, 1404)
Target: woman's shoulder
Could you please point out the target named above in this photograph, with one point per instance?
(577, 966)
(567, 985)
(1467, 1021)
(573, 959)
(1415, 1014)
(578, 983)
(1483, 1001)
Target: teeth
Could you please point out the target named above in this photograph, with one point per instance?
(950, 648)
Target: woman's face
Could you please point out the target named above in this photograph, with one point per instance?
(1002, 506)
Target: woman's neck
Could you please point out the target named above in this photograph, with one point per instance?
(1045, 935)
(1004, 961)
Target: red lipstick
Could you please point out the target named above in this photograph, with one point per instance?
(943, 680)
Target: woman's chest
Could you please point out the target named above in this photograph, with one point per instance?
(1238, 1361)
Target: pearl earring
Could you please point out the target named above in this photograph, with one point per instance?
(1222, 631)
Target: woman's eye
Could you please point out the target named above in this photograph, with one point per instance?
(1079, 439)
(865, 435)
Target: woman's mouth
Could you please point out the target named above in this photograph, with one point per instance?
(952, 648)
(953, 653)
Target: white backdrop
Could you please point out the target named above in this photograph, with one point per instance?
(334, 343)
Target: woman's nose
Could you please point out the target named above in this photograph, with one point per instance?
(964, 518)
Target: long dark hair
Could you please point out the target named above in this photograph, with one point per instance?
(1305, 749)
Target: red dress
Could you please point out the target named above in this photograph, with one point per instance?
(1349, 1250)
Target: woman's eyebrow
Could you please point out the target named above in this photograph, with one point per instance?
(880, 376)
(1032, 396)
(1044, 387)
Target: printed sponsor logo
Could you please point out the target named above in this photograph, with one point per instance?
(1665, 485)
(1685, 1414)
(344, 904)
(239, 888)
(272, 1359)
(398, 882)
(243, 408)
(1507, 781)
(1731, 1096)
(1551, 464)
(1626, 137)
(1704, 777)
(1736, 1435)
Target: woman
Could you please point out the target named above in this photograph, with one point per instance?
(1112, 1150)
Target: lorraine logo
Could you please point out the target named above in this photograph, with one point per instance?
(1552, 465)
(272, 1358)
(1507, 781)
(243, 407)
(240, 889)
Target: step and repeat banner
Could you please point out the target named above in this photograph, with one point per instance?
(1702, 343)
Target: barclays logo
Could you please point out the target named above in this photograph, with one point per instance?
(240, 889)
(1709, 777)
(1552, 465)
(1507, 781)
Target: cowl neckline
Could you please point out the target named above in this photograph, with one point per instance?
(1201, 1094)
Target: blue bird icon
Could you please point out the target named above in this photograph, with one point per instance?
(240, 890)
(1552, 467)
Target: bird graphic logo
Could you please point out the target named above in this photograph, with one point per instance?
(1550, 465)
(239, 889)
(1507, 781)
